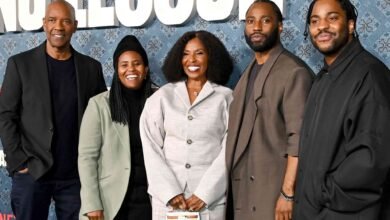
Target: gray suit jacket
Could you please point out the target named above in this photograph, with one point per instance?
(184, 144)
(104, 159)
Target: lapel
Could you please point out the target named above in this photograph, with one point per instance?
(248, 122)
(265, 71)
(181, 92)
(82, 82)
(236, 113)
(123, 136)
(42, 77)
(121, 130)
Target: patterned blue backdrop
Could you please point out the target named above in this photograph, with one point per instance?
(373, 27)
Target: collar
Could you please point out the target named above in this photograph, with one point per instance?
(181, 92)
(347, 55)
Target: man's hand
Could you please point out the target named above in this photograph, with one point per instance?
(96, 215)
(23, 171)
(178, 202)
(283, 209)
(194, 203)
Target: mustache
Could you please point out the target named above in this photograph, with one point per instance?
(324, 32)
(258, 33)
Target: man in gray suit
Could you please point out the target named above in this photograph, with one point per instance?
(264, 122)
(44, 94)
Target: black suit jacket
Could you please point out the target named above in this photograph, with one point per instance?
(26, 123)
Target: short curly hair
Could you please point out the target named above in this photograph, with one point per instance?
(220, 64)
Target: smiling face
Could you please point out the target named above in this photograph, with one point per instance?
(195, 60)
(262, 28)
(329, 28)
(59, 24)
(131, 70)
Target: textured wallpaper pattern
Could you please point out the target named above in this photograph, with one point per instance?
(373, 28)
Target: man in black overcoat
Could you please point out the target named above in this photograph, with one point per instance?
(43, 97)
(345, 142)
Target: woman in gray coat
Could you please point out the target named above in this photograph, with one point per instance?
(183, 128)
(111, 166)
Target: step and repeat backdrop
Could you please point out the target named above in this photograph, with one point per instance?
(108, 22)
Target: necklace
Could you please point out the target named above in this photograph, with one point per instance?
(193, 91)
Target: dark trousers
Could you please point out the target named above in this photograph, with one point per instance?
(134, 211)
(30, 199)
(230, 206)
(136, 204)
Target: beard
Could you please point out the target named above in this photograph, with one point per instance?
(269, 42)
(336, 46)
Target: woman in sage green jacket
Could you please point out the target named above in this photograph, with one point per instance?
(111, 165)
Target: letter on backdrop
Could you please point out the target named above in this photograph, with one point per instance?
(27, 15)
(170, 14)
(99, 15)
(8, 21)
(133, 13)
(81, 14)
(31, 13)
(215, 10)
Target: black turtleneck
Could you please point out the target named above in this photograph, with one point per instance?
(136, 199)
(135, 101)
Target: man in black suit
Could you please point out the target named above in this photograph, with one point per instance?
(44, 94)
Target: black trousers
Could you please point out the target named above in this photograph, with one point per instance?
(230, 206)
(30, 198)
(136, 204)
(134, 211)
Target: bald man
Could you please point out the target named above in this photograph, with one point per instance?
(44, 94)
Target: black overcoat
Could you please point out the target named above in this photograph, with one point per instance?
(344, 153)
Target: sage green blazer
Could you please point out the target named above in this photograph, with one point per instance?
(104, 159)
